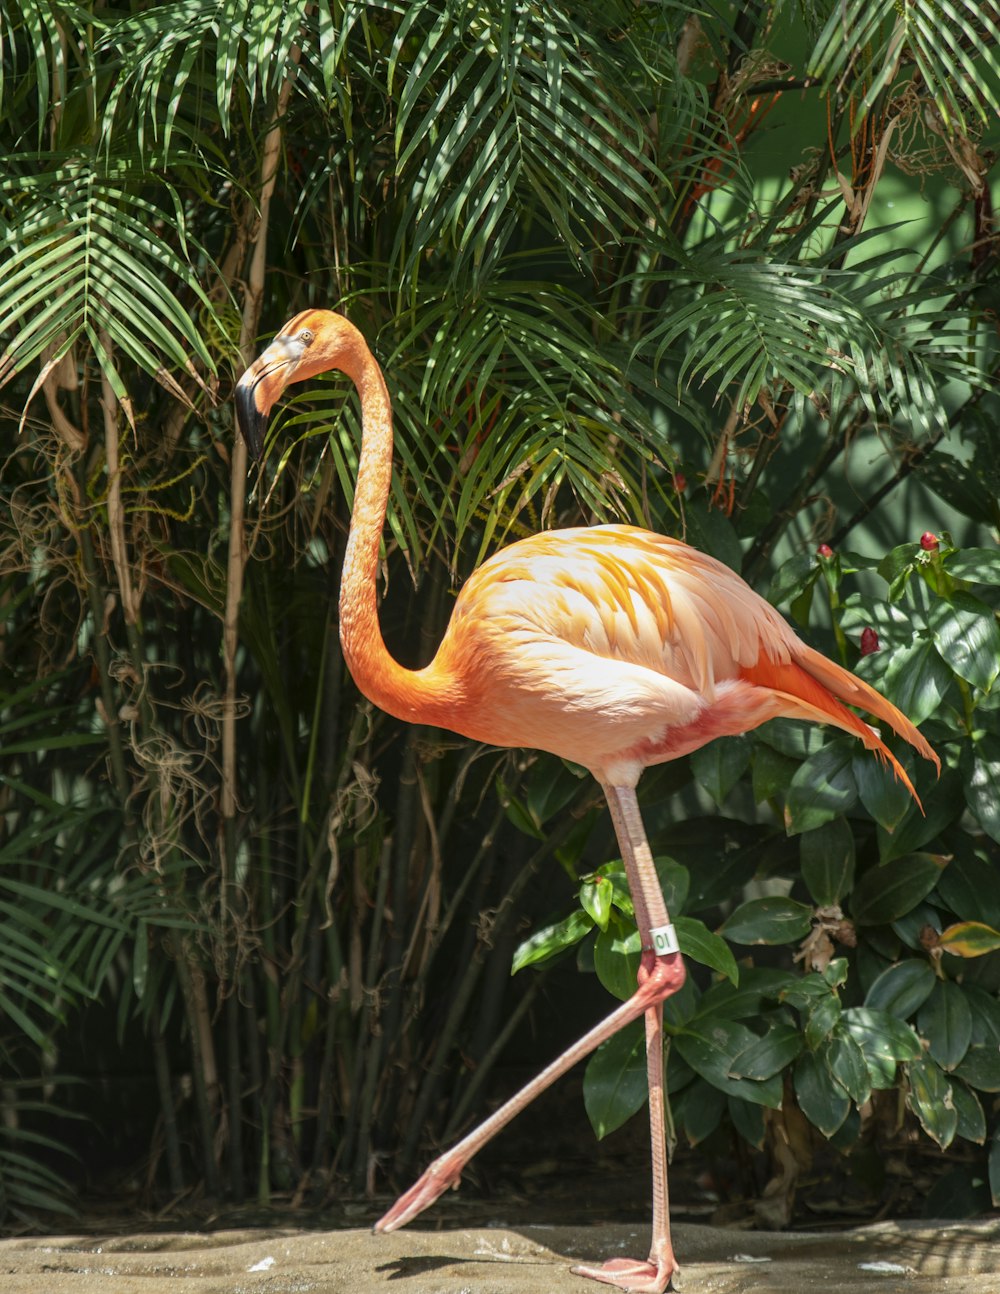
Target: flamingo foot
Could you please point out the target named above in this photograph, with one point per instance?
(443, 1173)
(643, 1276)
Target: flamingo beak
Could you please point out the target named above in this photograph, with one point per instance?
(260, 388)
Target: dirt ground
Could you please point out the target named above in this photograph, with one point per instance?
(950, 1258)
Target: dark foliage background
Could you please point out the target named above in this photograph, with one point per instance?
(728, 270)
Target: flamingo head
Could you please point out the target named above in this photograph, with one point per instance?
(315, 341)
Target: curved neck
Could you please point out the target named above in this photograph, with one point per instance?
(407, 694)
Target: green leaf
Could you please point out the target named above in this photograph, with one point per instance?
(846, 1062)
(945, 1020)
(701, 945)
(617, 954)
(822, 788)
(917, 679)
(930, 1098)
(710, 1048)
(551, 940)
(822, 1017)
(887, 892)
(821, 1098)
(768, 1055)
(748, 1120)
(699, 1111)
(614, 1082)
(971, 1119)
(970, 887)
(827, 860)
(902, 989)
(772, 772)
(881, 792)
(595, 899)
(967, 636)
(774, 920)
(981, 791)
(884, 1041)
(720, 765)
(978, 565)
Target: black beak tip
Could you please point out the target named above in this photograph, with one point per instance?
(251, 422)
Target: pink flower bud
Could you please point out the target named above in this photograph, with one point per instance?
(824, 550)
(869, 641)
(928, 542)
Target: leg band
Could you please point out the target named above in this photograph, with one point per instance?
(664, 940)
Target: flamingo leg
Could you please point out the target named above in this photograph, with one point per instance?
(654, 1274)
(660, 975)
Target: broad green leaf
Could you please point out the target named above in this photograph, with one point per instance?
(978, 565)
(981, 793)
(943, 802)
(929, 1096)
(887, 892)
(917, 679)
(595, 899)
(614, 1082)
(971, 1119)
(701, 945)
(846, 1063)
(884, 1041)
(699, 1111)
(967, 636)
(945, 1021)
(748, 1120)
(980, 1067)
(772, 772)
(902, 989)
(768, 1055)
(970, 887)
(720, 765)
(617, 954)
(822, 788)
(882, 793)
(822, 1017)
(710, 1048)
(827, 859)
(775, 920)
(551, 940)
(821, 1098)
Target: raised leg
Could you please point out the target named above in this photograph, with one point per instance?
(661, 973)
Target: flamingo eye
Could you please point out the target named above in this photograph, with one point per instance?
(305, 335)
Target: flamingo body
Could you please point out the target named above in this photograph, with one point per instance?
(618, 648)
(611, 646)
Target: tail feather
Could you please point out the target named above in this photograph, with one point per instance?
(818, 689)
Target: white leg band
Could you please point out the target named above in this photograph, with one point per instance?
(664, 940)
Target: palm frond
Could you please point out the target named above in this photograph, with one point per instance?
(752, 323)
(88, 259)
(953, 47)
(511, 107)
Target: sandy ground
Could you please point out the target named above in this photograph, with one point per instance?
(888, 1257)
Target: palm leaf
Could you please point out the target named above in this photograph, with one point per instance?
(514, 105)
(87, 259)
(953, 45)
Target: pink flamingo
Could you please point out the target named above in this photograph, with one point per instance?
(611, 646)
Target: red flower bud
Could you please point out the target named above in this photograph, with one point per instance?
(928, 542)
(869, 641)
(680, 482)
(824, 550)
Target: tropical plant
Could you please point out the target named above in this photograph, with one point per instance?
(594, 294)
